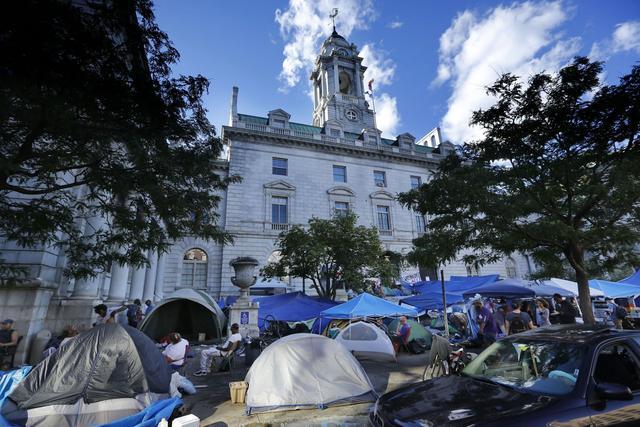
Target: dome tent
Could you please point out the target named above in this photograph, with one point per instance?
(187, 311)
(367, 340)
(106, 373)
(417, 331)
(305, 371)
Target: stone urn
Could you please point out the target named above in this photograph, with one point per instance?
(244, 278)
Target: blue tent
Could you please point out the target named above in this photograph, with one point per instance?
(291, 307)
(475, 280)
(508, 288)
(367, 305)
(431, 300)
(615, 289)
(634, 279)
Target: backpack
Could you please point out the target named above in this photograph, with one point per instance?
(517, 325)
(621, 313)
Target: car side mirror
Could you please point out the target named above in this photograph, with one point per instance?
(612, 391)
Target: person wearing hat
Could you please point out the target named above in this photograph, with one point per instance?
(8, 336)
(487, 327)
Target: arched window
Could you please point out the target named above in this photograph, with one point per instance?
(512, 271)
(194, 269)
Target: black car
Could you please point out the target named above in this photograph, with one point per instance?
(565, 375)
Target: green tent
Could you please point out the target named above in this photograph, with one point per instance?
(417, 330)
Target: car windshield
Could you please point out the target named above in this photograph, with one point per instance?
(533, 366)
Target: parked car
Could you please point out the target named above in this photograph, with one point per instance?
(565, 375)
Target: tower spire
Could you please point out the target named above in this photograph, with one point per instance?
(333, 15)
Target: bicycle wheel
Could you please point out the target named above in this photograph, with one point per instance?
(433, 370)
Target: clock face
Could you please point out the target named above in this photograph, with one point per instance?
(351, 115)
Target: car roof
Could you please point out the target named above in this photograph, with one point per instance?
(575, 333)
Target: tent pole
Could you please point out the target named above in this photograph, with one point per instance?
(444, 305)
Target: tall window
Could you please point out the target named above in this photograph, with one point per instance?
(384, 220)
(279, 210)
(510, 265)
(194, 269)
(279, 166)
(380, 178)
(339, 173)
(421, 226)
(416, 182)
(341, 208)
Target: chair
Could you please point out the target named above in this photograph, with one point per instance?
(11, 353)
(227, 360)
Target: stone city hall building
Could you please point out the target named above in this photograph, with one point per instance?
(290, 172)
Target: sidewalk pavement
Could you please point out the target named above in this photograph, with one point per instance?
(213, 406)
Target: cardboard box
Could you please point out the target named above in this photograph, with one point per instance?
(238, 391)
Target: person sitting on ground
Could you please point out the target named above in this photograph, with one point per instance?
(106, 316)
(176, 352)
(565, 311)
(229, 346)
(401, 336)
(518, 321)
(55, 342)
(8, 336)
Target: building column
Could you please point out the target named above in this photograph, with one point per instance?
(150, 276)
(89, 287)
(336, 77)
(358, 82)
(159, 286)
(137, 283)
(118, 287)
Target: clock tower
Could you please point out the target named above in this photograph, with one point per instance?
(339, 102)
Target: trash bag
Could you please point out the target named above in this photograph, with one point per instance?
(418, 346)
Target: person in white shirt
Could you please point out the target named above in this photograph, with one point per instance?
(105, 315)
(230, 345)
(176, 352)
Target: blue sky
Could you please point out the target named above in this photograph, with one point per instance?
(430, 59)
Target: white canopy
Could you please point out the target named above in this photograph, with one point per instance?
(305, 371)
(573, 287)
(368, 341)
(263, 282)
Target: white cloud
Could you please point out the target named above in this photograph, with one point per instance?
(305, 24)
(394, 25)
(626, 37)
(522, 39)
(382, 70)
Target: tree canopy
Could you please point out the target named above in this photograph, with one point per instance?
(555, 175)
(327, 251)
(94, 125)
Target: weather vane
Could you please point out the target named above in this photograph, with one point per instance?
(333, 15)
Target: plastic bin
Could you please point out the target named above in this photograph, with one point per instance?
(238, 391)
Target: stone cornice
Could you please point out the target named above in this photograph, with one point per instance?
(383, 154)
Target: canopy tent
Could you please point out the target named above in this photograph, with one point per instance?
(472, 281)
(615, 289)
(417, 331)
(367, 305)
(305, 371)
(263, 282)
(545, 289)
(366, 340)
(187, 311)
(106, 373)
(291, 307)
(508, 288)
(634, 279)
(572, 286)
(431, 300)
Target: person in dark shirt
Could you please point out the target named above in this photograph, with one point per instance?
(565, 311)
(487, 328)
(8, 337)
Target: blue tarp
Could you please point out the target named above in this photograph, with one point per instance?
(367, 305)
(615, 289)
(291, 307)
(634, 279)
(431, 300)
(8, 381)
(150, 416)
(508, 288)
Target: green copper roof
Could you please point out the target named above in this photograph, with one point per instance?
(351, 135)
(423, 149)
(299, 127)
(386, 141)
(252, 119)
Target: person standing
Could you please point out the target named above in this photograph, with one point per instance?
(518, 321)
(134, 313)
(487, 328)
(542, 313)
(149, 307)
(564, 310)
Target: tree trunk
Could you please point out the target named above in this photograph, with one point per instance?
(575, 256)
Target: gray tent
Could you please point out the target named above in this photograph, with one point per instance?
(106, 373)
(188, 312)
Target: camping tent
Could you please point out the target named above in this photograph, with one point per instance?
(305, 371)
(615, 289)
(366, 340)
(509, 288)
(417, 331)
(187, 311)
(291, 307)
(367, 305)
(431, 300)
(104, 374)
(634, 279)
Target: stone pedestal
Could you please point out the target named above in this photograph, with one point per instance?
(245, 314)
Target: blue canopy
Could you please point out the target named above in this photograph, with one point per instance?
(475, 280)
(431, 300)
(634, 279)
(291, 307)
(615, 289)
(508, 288)
(367, 305)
